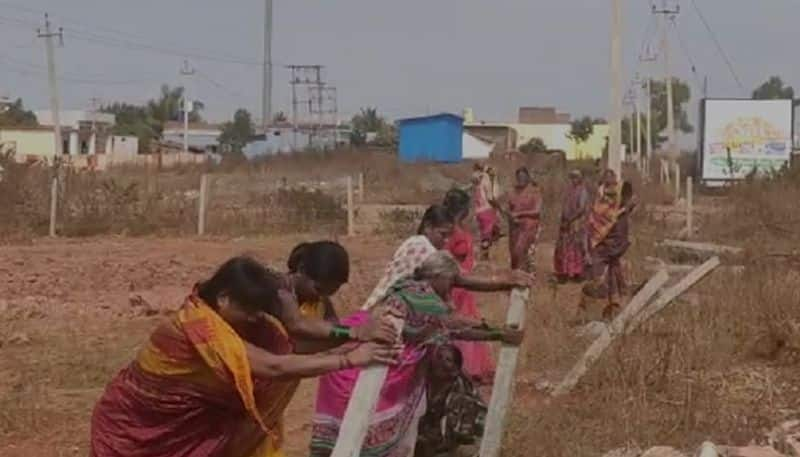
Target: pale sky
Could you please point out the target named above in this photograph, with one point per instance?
(405, 57)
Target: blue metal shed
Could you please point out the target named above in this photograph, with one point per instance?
(434, 138)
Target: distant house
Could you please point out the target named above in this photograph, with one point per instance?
(437, 138)
(547, 124)
(202, 136)
(29, 143)
(82, 132)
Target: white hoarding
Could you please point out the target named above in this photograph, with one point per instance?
(742, 135)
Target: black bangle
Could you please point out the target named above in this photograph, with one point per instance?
(341, 332)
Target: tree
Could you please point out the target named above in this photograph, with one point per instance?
(681, 94)
(534, 145)
(169, 106)
(369, 121)
(236, 134)
(774, 89)
(136, 121)
(15, 115)
(582, 129)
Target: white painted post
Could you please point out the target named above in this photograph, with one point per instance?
(504, 379)
(351, 230)
(677, 168)
(201, 213)
(618, 326)
(689, 208)
(360, 408)
(361, 188)
(53, 206)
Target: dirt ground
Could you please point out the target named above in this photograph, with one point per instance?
(69, 320)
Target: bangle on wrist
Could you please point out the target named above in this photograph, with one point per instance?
(341, 332)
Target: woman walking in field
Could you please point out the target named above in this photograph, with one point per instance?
(485, 213)
(571, 251)
(522, 205)
(609, 226)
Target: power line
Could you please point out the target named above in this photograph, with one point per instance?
(686, 52)
(718, 45)
(128, 37)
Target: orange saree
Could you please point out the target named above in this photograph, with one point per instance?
(190, 392)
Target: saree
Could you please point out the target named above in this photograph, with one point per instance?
(485, 214)
(393, 427)
(524, 207)
(477, 355)
(604, 213)
(190, 392)
(571, 247)
(407, 258)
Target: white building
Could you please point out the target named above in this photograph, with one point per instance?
(82, 132)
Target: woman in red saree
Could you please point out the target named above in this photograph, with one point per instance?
(477, 362)
(571, 251)
(522, 206)
(215, 379)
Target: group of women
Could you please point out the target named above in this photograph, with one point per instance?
(216, 378)
(593, 231)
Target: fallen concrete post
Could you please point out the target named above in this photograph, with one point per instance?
(617, 326)
(702, 247)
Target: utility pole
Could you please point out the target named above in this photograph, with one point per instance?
(648, 138)
(309, 77)
(266, 94)
(636, 96)
(55, 102)
(615, 117)
(93, 139)
(186, 71)
(667, 14)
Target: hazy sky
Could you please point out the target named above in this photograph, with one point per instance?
(405, 57)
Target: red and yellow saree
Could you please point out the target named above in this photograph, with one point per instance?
(190, 392)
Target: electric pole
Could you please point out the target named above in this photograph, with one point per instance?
(636, 96)
(55, 102)
(266, 94)
(615, 117)
(667, 14)
(186, 71)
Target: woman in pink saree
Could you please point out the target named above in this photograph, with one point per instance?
(429, 321)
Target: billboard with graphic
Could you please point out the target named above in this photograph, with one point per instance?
(743, 136)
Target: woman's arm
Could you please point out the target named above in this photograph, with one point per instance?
(297, 325)
(264, 364)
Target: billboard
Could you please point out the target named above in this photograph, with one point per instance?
(740, 136)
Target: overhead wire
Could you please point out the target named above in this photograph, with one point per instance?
(718, 45)
(686, 53)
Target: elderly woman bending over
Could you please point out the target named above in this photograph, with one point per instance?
(429, 326)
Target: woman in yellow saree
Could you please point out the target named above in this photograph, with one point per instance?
(215, 379)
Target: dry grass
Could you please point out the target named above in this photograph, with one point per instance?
(719, 364)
